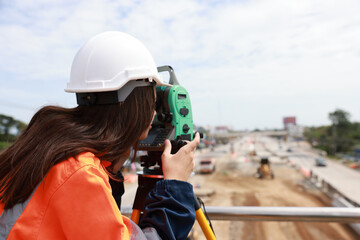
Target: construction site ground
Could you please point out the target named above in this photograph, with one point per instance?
(233, 184)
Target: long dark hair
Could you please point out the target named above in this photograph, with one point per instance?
(54, 134)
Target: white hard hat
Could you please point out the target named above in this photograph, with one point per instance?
(110, 61)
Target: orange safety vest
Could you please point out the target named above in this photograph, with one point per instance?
(74, 201)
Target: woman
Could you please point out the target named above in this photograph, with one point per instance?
(54, 180)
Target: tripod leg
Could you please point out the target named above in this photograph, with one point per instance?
(145, 185)
(203, 222)
(135, 216)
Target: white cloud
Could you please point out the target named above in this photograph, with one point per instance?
(252, 61)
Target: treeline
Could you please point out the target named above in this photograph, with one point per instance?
(341, 137)
(10, 129)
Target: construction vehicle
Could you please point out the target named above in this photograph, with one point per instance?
(264, 170)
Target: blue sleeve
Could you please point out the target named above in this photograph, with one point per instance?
(169, 208)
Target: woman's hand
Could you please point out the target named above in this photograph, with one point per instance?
(180, 165)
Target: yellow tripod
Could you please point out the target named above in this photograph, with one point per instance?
(203, 221)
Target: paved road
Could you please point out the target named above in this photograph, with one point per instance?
(345, 180)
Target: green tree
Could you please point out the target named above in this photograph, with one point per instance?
(20, 127)
(340, 129)
(10, 129)
(6, 123)
(342, 136)
(319, 137)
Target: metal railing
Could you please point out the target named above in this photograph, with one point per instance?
(296, 214)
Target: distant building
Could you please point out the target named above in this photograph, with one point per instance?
(220, 134)
(289, 122)
(221, 130)
(293, 130)
(296, 131)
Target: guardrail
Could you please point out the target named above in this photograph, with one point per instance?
(290, 214)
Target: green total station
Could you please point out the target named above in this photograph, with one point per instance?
(174, 120)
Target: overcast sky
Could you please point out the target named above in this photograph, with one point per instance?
(245, 64)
